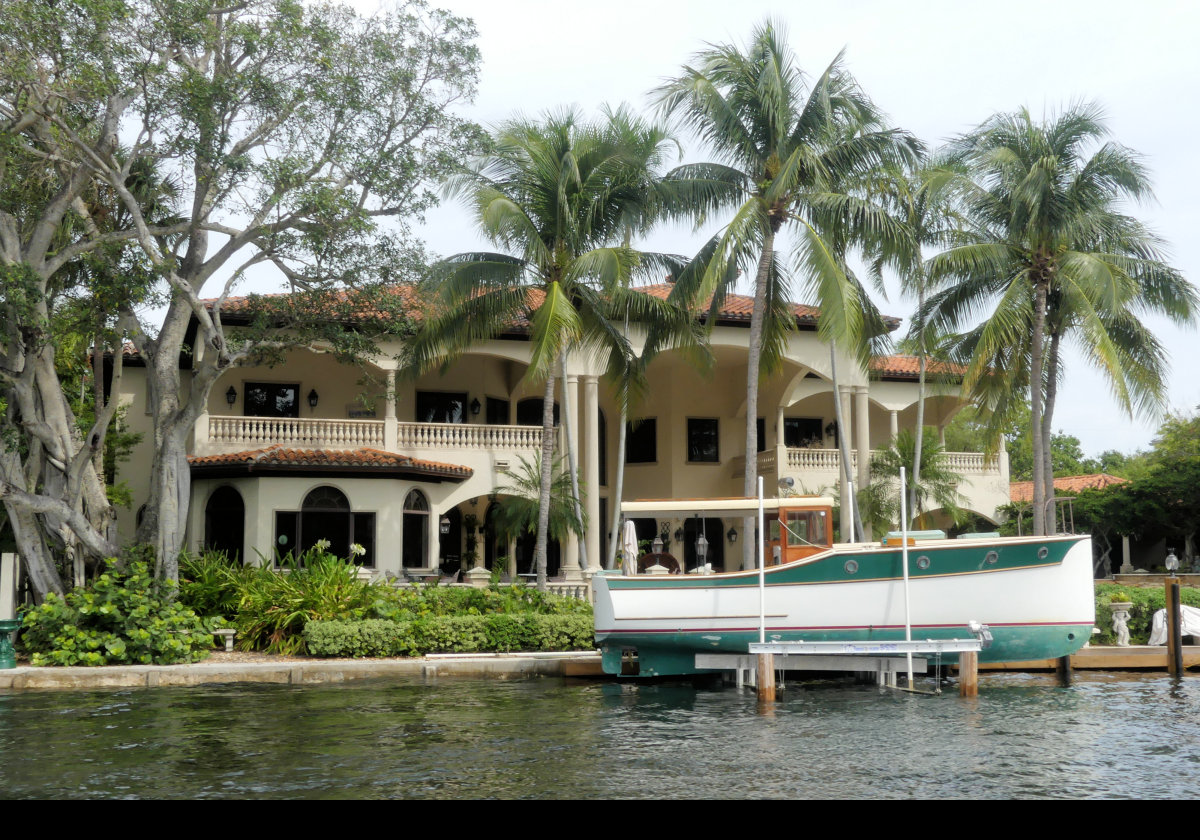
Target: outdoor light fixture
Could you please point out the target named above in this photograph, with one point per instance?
(445, 525)
(731, 535)
(312, 398)
(231, 395)
(475, 406)
(656, 546)
(1172, 561)
(678, 535)
(702, 549)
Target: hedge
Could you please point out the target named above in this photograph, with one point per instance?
(449, 634)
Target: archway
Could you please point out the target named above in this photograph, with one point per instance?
(415, 540)
(225, 523)
(714, 532)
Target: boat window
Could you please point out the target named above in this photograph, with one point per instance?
(806, 527)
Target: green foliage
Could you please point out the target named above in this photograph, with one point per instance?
(517, 501)
(123, 617)
(270, 608)
(1146, 602)
(938, 488)
(450, 634)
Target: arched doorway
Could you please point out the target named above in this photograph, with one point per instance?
(325, 515)
(415, 541)
(714, 532)
(450, 541)
(225, 523)
(492, 549)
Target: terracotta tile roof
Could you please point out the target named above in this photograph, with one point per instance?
(1022, 491)
(910, 367)
(735, 307)
(366, 460)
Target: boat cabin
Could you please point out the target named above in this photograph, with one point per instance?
(797, 526)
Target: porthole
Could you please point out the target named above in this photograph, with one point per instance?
(1043, 553)
(991, 557)
(851, 567)
(923, 562)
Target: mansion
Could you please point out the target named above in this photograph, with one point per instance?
(411, 469)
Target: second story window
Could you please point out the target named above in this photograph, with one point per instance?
(641, 441)
(272, 399)
(441, 407)
(703, 440)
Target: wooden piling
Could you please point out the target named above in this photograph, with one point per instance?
(968, 674)
(1174, 630)
(766, 677)
(1062, 667)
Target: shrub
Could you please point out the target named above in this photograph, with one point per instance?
(122, 617)
(449, 634)
(1146, 602)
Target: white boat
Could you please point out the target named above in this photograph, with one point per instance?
(1034, 593)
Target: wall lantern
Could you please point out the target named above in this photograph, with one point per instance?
(445, 525)
(731, 535)
(231, 395)
(656, 546)
(312, 398)
(678, 535)
(475, 407)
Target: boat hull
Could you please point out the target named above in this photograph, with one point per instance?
(1035, 594)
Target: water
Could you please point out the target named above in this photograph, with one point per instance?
(1107, 736)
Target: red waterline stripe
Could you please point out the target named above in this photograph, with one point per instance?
(796, 629)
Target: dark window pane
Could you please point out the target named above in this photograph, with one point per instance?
(286, 527)
(529, 412)
(441, 407)
(760, 434)
(702, 440)
(270, 399)
(641, 442)
(602, 442)
(364, 535)
(802, 431)
(497, 412)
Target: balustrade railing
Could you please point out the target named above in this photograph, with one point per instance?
(817, 459)
(467, 436)
(267, 431)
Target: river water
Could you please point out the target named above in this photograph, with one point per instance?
(1106, 736)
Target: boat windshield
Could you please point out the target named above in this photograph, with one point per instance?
(806, 527)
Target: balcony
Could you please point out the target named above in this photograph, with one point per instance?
(234, 434)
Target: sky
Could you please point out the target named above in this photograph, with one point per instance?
(937, 68)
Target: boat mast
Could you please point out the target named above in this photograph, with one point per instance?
(904, 563)
(762, 569)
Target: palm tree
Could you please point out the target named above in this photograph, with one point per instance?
(560, 195)
(938, 487)
(518, 503)
(1048, 245)
(785, 152)
(916, 193)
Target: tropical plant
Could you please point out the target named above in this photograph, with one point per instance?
(1048, 253)
(518, 503)
(561, 195)
(937, 488)
(787, 155)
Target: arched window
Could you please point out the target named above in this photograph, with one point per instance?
(326, 515)
(225, 522)
(415, 540)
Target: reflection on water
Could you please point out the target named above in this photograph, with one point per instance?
(1106, 736)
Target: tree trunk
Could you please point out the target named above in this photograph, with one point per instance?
(618, 490)
(1036, 381)
(918, 437)
(569, 428)
(1052, 362)
(753, 361)
(543, 528)
(847, 475)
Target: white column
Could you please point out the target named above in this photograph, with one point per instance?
(862, 441)
(391, 429)
(847, 517)
(570, 555)
(894, 418)
(591, 468)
